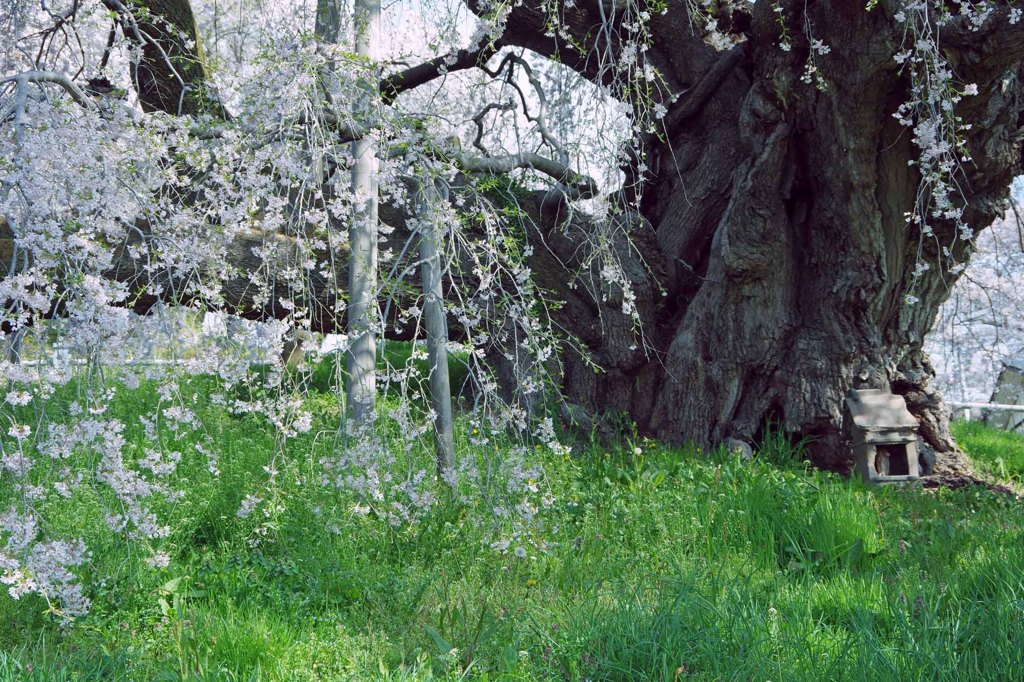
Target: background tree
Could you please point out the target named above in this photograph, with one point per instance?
(981, 325)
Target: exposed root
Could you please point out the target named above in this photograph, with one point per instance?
(954, 470)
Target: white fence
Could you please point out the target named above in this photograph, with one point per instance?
(963, 410)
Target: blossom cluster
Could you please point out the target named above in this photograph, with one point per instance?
(192, 217)
(939, 133)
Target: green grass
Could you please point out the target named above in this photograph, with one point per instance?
(328, 374)
(1000, 453)
(671, 565)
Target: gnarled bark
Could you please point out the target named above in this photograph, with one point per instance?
(774, 219)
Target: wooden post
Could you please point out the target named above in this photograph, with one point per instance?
(361, 360)
(435, 322)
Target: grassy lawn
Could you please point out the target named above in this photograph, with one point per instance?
(670, 565)
(1000, 453)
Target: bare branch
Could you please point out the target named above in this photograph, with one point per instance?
(479, 121)
(510, 61)
(578, 186)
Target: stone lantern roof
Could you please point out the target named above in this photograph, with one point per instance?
(876, 410)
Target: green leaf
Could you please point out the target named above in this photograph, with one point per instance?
(442, 644)
(171, 585)
(856, 552)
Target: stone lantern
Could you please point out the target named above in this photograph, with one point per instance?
(1009, 391)
(884, 436)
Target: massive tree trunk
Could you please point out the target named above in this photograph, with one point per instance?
(773, 218)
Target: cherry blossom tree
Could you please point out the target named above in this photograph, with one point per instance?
(666, 255)
(981, 326)
(780, 199)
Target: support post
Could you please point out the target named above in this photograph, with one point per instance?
(435, 322)
(361, 360)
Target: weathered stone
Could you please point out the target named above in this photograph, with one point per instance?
(884, 436)
(735, 446)
(1009, 391)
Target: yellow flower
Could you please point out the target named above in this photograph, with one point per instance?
(531, 582)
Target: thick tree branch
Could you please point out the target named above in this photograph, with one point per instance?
(170, 75)
(692, 101)
(993, 47)
(579, 186)
(393, 85)
(591, 35)
(56, 78)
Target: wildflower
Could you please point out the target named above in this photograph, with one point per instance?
(248, 505)
(519, 552)
(17, 398)
(19, 431)
(159, 560)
